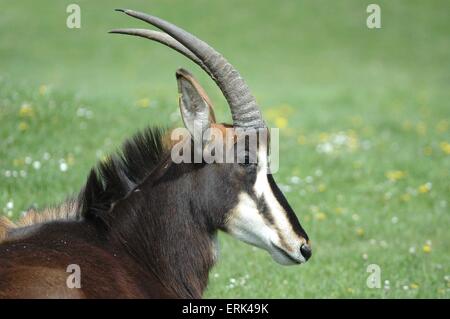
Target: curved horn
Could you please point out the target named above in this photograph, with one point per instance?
(244, 109)
(165, 39)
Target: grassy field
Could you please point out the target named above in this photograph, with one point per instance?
(364, 118)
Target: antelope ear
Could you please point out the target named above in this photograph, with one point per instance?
(195, 105)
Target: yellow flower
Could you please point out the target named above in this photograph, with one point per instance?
(395, 175)
(407, 125)
(321, 216)
(353, 142)
(338, 210)
(350, 290)
(26, 110)
(360, 232)
(427, 150)
(282, 110)
(281, 122)
(70, 159)
(445, 147)
(301, 140)
(143, 103)
(414, 286)
(421, 128)
(442, 126)
(323, 137)
(426, 248)
(43, 89)
(321, 188)
(425, 188)
(23, 126)
(405, 197)
(18, 162)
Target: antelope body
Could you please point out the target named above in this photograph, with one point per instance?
(144, 226)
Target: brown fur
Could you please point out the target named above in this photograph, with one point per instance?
(68, 209)
(5, 226)
(65, 211)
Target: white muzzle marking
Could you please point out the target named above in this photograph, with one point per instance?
(273, 233)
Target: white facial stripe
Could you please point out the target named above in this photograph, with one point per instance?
(279, 215)
(248, 224)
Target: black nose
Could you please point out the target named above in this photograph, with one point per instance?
(306, 251)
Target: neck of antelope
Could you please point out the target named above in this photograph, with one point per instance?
(165, 230)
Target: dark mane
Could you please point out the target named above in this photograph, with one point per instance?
(127, 199)
(120, 173)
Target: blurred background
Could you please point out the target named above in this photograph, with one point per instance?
(364, 117)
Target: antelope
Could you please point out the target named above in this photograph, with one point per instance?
(144, 226)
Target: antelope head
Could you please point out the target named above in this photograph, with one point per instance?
(244, 196)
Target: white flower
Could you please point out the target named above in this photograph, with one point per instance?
(46, 156)
(36, 165)
(63, 167)
(84, 112)
(28, 160)
(10, 205)
(325, 148)
(340, 139)
(394, 220)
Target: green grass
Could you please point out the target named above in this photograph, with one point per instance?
(315, 69)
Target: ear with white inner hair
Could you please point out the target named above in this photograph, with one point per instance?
(195, 105)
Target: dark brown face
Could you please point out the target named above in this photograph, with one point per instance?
(242, 198)
(242, 193)
(260, 214)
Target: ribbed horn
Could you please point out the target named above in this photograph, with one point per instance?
(165, 39)
(244, 109)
